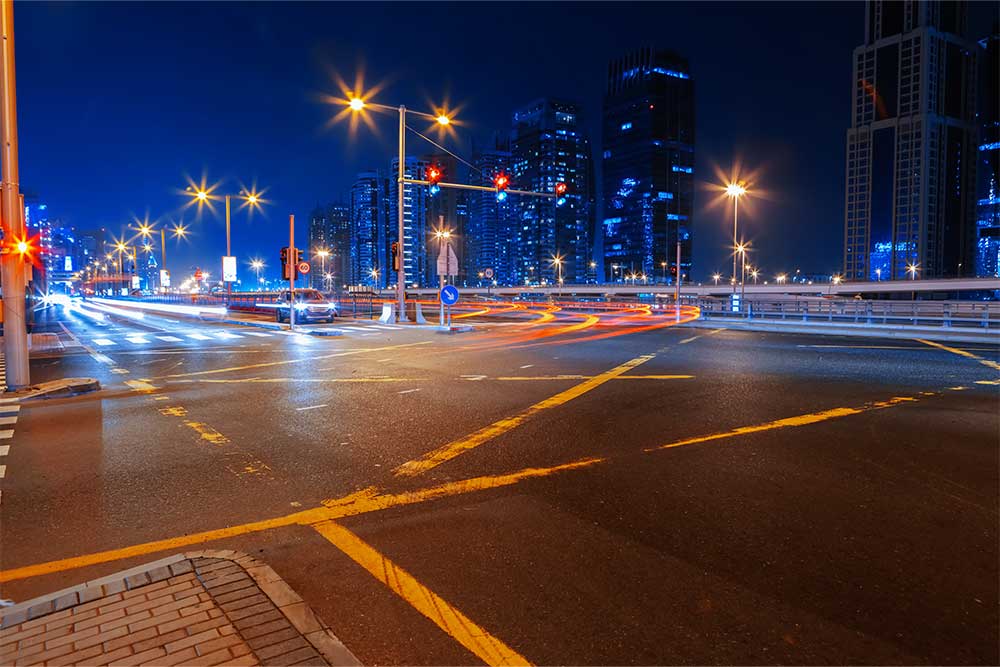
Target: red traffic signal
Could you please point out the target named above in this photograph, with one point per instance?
(501, 181)
(560, 188)
(433, 174)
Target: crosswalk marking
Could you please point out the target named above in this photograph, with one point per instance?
(355, 329)
(6, 434)
(387, 328)
(104, 342)
(8, 420)
(7, 409)
(138, 340)
(198, 336)
(256, 333)
(170, 339)
(226, 334)
(4, 449)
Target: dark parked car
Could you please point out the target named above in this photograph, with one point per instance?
(310, 306)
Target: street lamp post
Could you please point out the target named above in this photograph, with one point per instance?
(735, 191)
(251, 198)
(323, 254)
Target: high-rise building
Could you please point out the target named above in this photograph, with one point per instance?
(491, 231)
(369, 249)
(988, 159)
(912, 143)
(648, 163)
(447, 209)
(319, 241)
(416, 226)
(339, 262)
(550, 146)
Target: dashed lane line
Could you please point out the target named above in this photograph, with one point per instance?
(198, 336)
(954, 350)
(268, 364)
(170, 339)
(688, 340)
(104, 342)
(311, 407)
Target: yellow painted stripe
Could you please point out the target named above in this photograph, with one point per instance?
(307, 516)
(361, 502)
(954, 350)
(800, 420)
(140, 385)
(457, 625)
(456, 448)
(313, 380)
(295, 361)
(516, 378)
(370, 500)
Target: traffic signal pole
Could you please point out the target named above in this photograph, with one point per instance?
(401, 183)
(291, 271)
(12, 271)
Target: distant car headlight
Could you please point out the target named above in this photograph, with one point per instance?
(300, 306)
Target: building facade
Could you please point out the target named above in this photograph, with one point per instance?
(988, 159)
(549, 146)
(491, 232)
(648, 130)
(416, 226)
(319, 242)
(368, 246)
(912, 143)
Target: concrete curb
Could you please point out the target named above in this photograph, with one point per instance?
(56, 388)
(461, 328)
(294, 609)
(844, 329)
(273, 326)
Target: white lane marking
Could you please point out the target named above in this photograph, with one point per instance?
(408, 391)
(138, 340)
(355, 328)
(7, 409)
(473, 378)
(382, 361)
(103, 358)
(688, 340)
(383, 326)
(4, 449)
(226, 335)
(119, 371)
(8, 420)
(715, 331)
(312, 407)
(7, 434)
(3, 471)
(9, 400)
(170, 339)
(528, 366)
(104, 342)
(198, 336)
(256, 333)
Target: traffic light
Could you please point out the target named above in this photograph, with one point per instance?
(501, 181)
(395, 255)
(290, 263)
(561, 189)
(27, 248)
(433, 175)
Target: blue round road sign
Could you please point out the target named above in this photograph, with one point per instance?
(449, 295)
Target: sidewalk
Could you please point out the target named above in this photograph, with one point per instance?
(199, 608)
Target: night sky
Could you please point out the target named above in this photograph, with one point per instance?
(119, 101)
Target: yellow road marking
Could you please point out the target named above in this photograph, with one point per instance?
(460, 627)
(295, 361)
(361, 502)
(688, 340)
(321, 380)
(458, 447)
(511, 378)
(140, 386)
(207, 433)
(954, 350)
(987, 381)
(800, 420)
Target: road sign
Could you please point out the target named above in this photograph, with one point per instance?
(447, 261)
(488, 273)
(449, 295)
(228, 269)
(164, 278)
(303, 267)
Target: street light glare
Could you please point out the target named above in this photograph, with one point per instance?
(735, 190)
(443, 120)
(356, 104)
(201, 195)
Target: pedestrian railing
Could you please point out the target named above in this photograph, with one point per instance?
(948, 314)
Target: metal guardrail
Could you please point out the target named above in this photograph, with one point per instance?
(947, 314)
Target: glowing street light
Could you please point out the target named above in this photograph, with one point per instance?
(257, 265)
(715, 277)
(912, 269)
(780, 278)
(735, 190)
(323, 254)
(357, 104)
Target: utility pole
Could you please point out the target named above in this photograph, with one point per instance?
(15, 339)
(400, 184)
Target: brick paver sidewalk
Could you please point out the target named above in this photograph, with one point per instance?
(203, 608)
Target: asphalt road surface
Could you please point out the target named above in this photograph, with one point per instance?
(552, 487)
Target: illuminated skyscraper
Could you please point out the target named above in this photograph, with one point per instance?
(368, 241)
(490, 235)
(988, 163)
(416, 226)
(550, 146)
(911, 148)
(648, 161)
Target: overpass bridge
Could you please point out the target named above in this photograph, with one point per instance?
(944, 286)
